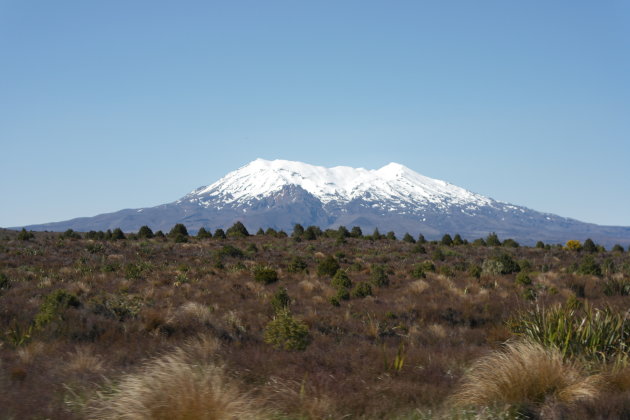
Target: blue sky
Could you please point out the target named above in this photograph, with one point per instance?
(123, 104)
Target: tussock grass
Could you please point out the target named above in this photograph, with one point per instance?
(525, 374)
(578, 330)
(185, 384)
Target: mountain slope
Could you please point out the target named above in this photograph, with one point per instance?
(281, 193)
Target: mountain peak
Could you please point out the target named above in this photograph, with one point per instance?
(393, 183)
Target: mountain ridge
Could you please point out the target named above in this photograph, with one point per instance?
(281, 193)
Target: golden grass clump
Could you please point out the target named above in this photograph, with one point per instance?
(524, 373)
(177, 386)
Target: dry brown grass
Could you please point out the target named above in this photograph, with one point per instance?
(185, 384)
(525, 374)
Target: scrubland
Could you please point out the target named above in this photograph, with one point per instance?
(326, 326)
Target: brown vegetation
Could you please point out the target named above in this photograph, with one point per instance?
(261, 327)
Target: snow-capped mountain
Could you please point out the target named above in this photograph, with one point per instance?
(281, 193)
(393, 185)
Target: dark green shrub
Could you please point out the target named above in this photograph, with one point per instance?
(219, 234)
(493, 240)
(525, 265)
(589, 266)
(178, 230)
(341, 280)
(237, 230)
(298, 231)
(617, 248)
(230, 251)
(280, 300)
(71, 234)
(145, 232)
(260, 232)
(287, 333)
(296, 265)
(53, 307)
(94, 235)
(4, 282)
(438, 255)
(25, 236)
(378, 275)
(179, 239)
(334, 301)
(508, 265)
(510, 243)
(408, 238)
(311, 233)
(417, 271)
(391, 236)
(327, 267)
(428, 266)
(118, 234)
(523, 279)
(343, 232)
(540, 245)
(202, 233)
(419, 249)
(343, 294)
(447, 240)
(356, 232)
(589, 246)
(361, 290)
(265, 274)
(474, 271)
(479, 242)
(457, 239)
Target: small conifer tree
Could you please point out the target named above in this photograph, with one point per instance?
(408, 238)
(202, 233)
(356, 232)
(145, 232)
(178, 230)
(237, 230)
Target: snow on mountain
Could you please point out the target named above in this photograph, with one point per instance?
(393, 183)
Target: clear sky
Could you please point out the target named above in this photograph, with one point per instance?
(113, 104)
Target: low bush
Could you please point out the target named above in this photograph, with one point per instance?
(287, 333)
(296, 265)
(378, 275)
(341, 280)
(280, 300)
(361, 290)
(265, 275)
(53, 307)
(327, 267)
